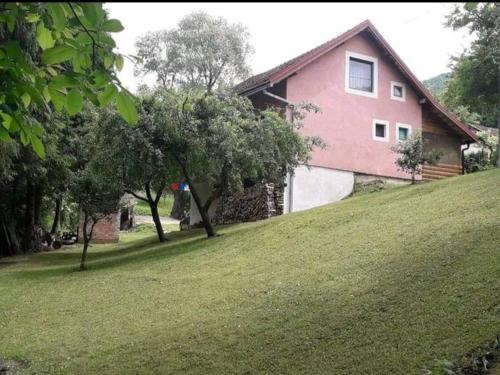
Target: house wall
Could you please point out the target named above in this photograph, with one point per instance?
(346, 121)
(440, 137)
(316, 186)
(203, 191)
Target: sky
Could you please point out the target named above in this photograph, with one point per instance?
(281, 31)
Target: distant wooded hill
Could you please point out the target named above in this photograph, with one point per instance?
(438, 83)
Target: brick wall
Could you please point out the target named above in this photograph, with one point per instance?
(107, 230)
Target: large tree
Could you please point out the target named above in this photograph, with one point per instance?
(475, 81)
(222, 141)
(54, 57)
(202, 51)
(138, 156)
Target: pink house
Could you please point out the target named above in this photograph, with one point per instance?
(369, 100)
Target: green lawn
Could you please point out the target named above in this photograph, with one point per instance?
(164, 207)
(383, 283)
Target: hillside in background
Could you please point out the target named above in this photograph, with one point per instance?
(382, 283)
(437, 84)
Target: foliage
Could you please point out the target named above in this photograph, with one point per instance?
(362, 286)
(202, 51)
(96, 193)
(221, 140)
(486, 157)
(53, 56)
(412, 155)
(437, 85)
(164, 206)
(475, 78)
(138, 156)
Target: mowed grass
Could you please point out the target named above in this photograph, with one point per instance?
(383, 283)
(164, 206)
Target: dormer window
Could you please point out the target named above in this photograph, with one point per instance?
(398, 91)
(361, 74)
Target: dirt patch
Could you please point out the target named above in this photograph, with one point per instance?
(11, 367)
(483, 360)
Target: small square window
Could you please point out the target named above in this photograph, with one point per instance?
(403, 131)
(397, 91)
(381, 130)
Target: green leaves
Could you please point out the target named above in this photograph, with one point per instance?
(112, 26)
(69, 72)
(26, 98)
(57, 98)
(119, 62)
(38, 146)
(107, 95)
(74, 102)
(58, 54)
(126, 108)
(44, 36)
(56, 11)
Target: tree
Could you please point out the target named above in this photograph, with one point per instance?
(53, 56)
(98, 196)
(412, 155)
(201, 52)
(223, 141)
(137, 156)
(475, 81)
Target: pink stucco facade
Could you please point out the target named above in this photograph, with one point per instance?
(346, 120)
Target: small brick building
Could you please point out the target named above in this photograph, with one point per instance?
(107, 230)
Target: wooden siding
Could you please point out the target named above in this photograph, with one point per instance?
(440, 171)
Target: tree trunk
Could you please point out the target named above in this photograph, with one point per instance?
(87, 237)
(29, 218)
(156, 219)
(153, 205)
(498, 121)
(181, 204)
(204, 213)
(57, 214)
(201, 208)
(37, 210)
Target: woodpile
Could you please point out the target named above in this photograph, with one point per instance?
(258, 202)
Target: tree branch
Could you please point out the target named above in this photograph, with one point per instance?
(136, 195)
(94, 43)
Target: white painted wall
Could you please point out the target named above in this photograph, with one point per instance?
(316, 186)
(194, 214)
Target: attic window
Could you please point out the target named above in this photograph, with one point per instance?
(361, 74)
(398, 91)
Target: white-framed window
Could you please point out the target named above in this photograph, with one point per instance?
(380, 130)
(403, 131)
(398, 91)
(361, 74)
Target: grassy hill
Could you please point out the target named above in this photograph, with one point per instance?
(384, 283)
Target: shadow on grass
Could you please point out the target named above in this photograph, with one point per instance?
(138, 251)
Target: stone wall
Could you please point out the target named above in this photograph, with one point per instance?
(258, 202)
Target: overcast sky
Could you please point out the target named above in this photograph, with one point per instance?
(282, 31)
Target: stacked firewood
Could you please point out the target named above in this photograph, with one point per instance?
(258, 202)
